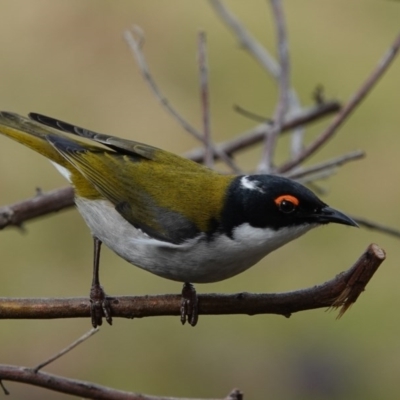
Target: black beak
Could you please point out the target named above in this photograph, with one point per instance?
(329, 214)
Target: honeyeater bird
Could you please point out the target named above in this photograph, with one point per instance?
(167, 214)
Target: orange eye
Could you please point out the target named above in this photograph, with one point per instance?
(287, 203)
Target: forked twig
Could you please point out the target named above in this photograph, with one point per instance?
(135, 45)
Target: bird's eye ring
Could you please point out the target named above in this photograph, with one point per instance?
(287, 203)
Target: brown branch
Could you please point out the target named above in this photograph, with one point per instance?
(82, 389)
(42, 204)
(342, 290)
(360, 95)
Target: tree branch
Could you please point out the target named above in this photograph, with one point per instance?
(67, 349)
(342, 290)
(366, 223)
(42, 204)
(329, 165)
(87, 390)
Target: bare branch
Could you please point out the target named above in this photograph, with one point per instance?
(135, 45)
(360, 95)
(205, 102)
(42, 204)
(326, 165)
(82, 389)
(271, 139)
(67, 349)
(246, 40)
(366, 267)
(325, 295)
(366, 223)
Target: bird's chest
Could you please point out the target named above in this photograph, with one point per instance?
(199, 260)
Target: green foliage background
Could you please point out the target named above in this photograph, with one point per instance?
(68, 60)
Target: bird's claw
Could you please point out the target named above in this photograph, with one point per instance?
(99, 306)
(189, 305)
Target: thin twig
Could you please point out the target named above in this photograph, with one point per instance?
(205, 102)
(5, 391)
(271, 139)
(252, 115)
(360, 95)
(321, 296)
(67, 349)
(246, 40)
(135, 45)
(326, 165)
(366, 223)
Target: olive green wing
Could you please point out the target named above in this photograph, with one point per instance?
(155, 195)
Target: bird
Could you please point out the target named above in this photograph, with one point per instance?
(167, 214)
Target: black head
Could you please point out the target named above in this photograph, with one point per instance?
(275, 202)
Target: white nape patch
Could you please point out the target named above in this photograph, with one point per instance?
(251, 185)
(63, 171)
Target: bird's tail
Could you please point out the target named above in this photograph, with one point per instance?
(31, 134)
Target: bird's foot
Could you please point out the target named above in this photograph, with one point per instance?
(189, 305)
(99, 306)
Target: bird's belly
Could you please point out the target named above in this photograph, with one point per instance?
(198, 260)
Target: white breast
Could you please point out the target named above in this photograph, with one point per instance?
(198, 260)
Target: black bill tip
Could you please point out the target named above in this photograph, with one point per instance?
(329, 214)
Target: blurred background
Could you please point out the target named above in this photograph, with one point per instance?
(69, 60)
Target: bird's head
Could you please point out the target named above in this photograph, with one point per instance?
(276, 203)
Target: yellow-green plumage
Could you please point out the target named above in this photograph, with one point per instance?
(33, 135)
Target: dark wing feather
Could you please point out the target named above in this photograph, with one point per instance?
(122, 145)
